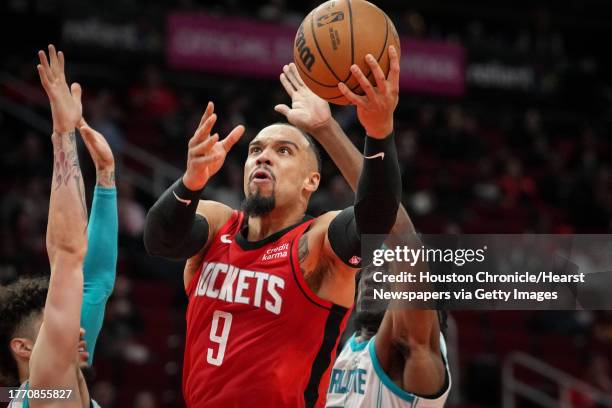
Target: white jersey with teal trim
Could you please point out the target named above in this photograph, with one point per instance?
(18, 402)
(358, 381)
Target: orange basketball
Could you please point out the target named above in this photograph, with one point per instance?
(336, 35)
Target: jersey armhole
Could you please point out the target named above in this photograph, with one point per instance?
(299, 277)
(388, 383)
(235, 218)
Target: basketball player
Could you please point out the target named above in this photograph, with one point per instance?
(39, 340)
(397, 358)
(269, 287)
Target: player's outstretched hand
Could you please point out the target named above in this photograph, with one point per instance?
(308, 111)
(207, 153)
(375, 108)
(100, 153)
(66, 108)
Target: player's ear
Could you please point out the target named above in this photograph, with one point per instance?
(21, 347)
(311, 184)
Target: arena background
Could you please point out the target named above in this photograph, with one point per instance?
(503, 128)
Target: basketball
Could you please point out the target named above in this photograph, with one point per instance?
(336, 35)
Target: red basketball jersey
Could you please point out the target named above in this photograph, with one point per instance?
(257, 336)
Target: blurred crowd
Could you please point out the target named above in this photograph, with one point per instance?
(479, 164)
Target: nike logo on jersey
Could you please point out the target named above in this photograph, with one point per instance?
(374, 156)
(181, 200)
(225, 238)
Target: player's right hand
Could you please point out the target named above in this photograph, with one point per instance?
(66, 108)
(100, 153)
(207, 153)
(375, 109)
(308, 111)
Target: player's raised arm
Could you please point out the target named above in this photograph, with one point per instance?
(379, 188)
(412, 336)
(173, 229)
(52, 364)
(311, 113)
(100, 265)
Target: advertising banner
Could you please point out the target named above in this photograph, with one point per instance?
(246, 47)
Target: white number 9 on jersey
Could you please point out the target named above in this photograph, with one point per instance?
(222, 339)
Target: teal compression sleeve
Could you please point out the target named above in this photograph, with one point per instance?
(100, 263)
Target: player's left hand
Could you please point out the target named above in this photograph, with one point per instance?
(375, 108)
(66, 108)
(100, 153)
(308, 111)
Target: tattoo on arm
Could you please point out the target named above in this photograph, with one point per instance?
(303, 253)
(106, 178)
(314, 278)
(303, 248)
(66, 165)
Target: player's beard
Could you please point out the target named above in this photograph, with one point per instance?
(256, 205)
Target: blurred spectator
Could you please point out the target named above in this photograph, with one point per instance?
(515, 185)
(145, 399)
(103, 115)
(131, 213)
(597, 373)
(153, 96)
(105, 394)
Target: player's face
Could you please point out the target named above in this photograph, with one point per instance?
(280, 164)
(81, 353)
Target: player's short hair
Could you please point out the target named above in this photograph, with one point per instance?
(20, 301)
(311, 143)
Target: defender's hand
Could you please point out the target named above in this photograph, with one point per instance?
(308, 111)
(100, 153)
(66, 108)
(206, 153)
(375, 108)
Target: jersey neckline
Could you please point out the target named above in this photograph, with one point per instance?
(247, 245)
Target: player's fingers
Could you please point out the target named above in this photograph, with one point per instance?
(351, 96)
(45, 64)
(76, 91)
(43, 77)
(202, 148)
(203, 131)
(61, 61)
(292, 79)
(88, 135)
(210, 108)
(293, 76)
(287, 85)
(54, 64)
(379, 75)
(363, 82)
(282, 109)
(233, 137)
(394, 67)
(293, 69)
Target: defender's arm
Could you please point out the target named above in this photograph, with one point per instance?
(52, 363)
